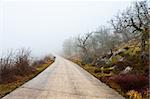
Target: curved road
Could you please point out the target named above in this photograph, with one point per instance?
(64, 80)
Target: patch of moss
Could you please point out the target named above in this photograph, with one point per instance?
(116, 58)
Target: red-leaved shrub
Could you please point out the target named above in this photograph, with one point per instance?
(131, 81)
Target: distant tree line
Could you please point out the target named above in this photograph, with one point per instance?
(132, 23)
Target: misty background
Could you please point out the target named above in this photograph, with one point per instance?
(43, 26)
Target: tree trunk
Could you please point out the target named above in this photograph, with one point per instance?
(144, 38)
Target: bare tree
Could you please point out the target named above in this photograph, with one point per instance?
(91, 46)
(119, 28)
(105, 40)
(82, 43)
(70, 48)
(136, 20)
(22, 61)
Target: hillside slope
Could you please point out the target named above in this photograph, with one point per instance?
(123, 70)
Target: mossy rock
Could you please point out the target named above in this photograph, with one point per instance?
(105, 70)
(132, 51)
(116, 58)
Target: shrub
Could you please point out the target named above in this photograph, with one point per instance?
(134, 94)
(38, 62)
(15, 64)
(6, 64)
(98, 70)
(6, 75)
(22, 62)
(46, 59)
(131, 81)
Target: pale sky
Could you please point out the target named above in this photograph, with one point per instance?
(43, 25)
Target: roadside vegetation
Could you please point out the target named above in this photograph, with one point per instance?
(117, 55)
(17, 67)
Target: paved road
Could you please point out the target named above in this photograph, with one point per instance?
(64, 80)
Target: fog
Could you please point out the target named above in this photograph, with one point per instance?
(43, 25)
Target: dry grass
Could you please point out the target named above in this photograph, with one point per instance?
(16, 68)
(9, 87)
(106, 78)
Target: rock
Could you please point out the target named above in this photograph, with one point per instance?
(100, 63)
(115, 59)
(119, 52)
(126, 70)
(113, 67)
(109, 54)
(121, 59)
